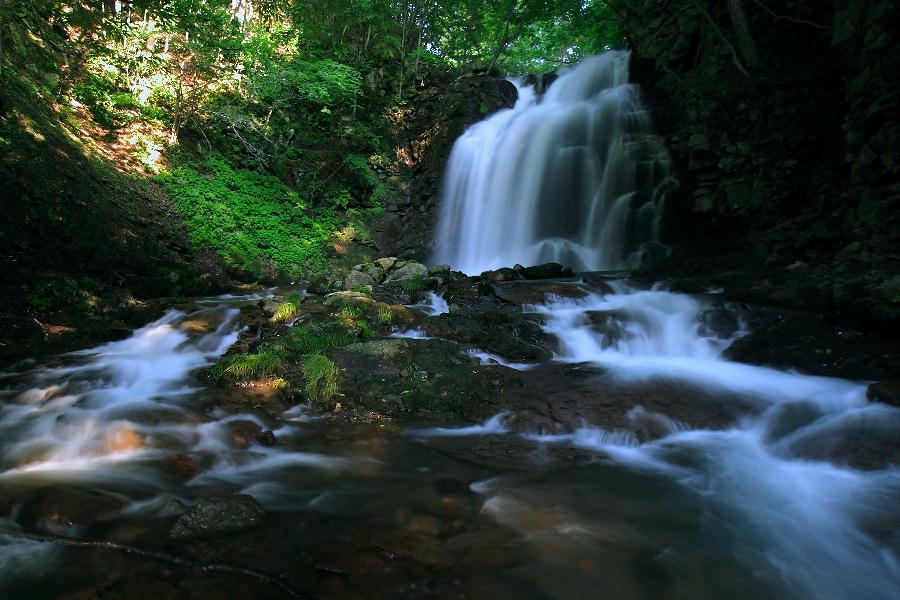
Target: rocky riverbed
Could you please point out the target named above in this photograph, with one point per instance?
(461, 441)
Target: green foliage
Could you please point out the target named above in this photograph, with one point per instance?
(350, 312)
(321, 377)
(248, 218)
(413, 287)
(385, 315)
(308, 339)
(287, 309)
(361, 289)
(59, 293)
(244, 366)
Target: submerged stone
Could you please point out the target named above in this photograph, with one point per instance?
(217, 516)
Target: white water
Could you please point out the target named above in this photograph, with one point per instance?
(114, 414)
(433, 305)
(822, 529)
(575, 176)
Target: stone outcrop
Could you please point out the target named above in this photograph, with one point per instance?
(784, 134)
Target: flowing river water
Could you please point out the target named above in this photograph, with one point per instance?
(762, 507)
(682, 475)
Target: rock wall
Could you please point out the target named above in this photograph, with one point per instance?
(782, 118)
(424, 138)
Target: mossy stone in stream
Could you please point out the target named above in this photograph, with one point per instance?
(217, 516)
(426, 379)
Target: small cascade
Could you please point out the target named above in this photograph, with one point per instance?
(573, 176)
(775, 484)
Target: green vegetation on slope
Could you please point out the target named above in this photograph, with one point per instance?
(251, 220)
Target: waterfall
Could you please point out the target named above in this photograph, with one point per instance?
(573, 176)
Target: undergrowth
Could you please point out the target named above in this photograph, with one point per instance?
(249, 219)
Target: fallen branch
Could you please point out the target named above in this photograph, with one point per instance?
(159, 556)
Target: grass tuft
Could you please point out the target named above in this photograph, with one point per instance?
(287, 309)
(321, 377)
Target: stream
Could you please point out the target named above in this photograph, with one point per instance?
(762, 507)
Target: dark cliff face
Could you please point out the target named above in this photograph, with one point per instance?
(782, 119)
(424, 140)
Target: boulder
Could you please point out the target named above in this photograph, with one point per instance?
(347, 298)
(501, 275)
(217, 516)
(359, 279)
(439, 271)
(406, 272)
(546, 271)
(386, 263)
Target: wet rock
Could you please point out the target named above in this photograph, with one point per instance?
(241, 433)
(402, 378)
(521, 292)
(597, 283)
(267, 438)
(804, 341)
(449, 485)
(421, 548)
(426, 525)
(501, 275)
(67, 507)
(6, 504)
(183, 467)
(515, 336)
(217, 516)
(546, 271)
(719, 322)
(886, 392)
(348, 560)
(889, 291)
(441, 271)
(472, 294)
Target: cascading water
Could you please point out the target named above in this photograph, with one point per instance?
(773, 488)
(575, 176)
